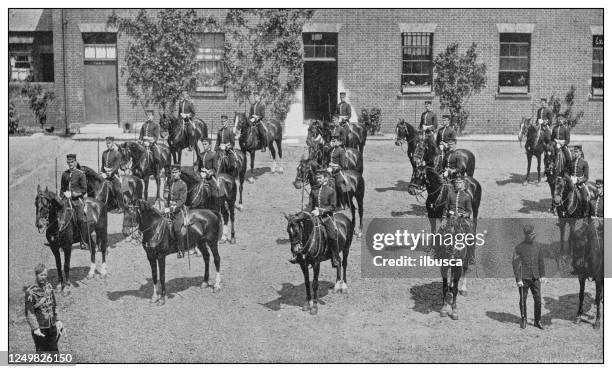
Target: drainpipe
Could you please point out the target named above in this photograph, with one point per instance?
(64, 69)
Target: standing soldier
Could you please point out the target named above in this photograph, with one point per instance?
(149, 135)
(187, 113)
(74, 189)
(111, 159)
(544, 114)
(41, 313)
(459, 209)
(579, 174)
(528, 266)
(176, 208)
(561, 137)
(429, 123)
(257, 114)
(225, 141)
(343, 110)
(446, 139)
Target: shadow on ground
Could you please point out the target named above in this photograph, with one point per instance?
(399, 186)
(295, 295)
(427, 297)
(542, 205)
(77, 274)
(173, 287)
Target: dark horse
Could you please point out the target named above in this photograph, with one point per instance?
(203, 230)
(310, 246)
(537, 140)
(437, 193)
(218, 194)
(181, 135)
(457, 268)
(223, 164)
(589, 250)
(356, 135)
(349, 185)
(101, 189)
(57, 219)
(319, 148)
(426, 153)
(567, 201)
(137, 158)
(406, 133)
(249, 140)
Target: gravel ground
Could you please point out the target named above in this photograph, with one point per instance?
(257, 316)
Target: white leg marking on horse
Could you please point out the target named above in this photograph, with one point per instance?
(217, 286)
(344, 287)
(103, 271)
(92, 271)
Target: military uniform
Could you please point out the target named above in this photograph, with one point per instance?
(74, 180)
(458, 202)
(429, 118)
(596, 206)
(150, 133)
(453, 166)
(561, 132)
(446, 139)
(257, 114)
(41, 313)
(579, 168)
(528, 266)
(176, 203)
(186, 107)
(323, 197)
(545, 114)
(343, 109)
(226, 136)
(111, 160)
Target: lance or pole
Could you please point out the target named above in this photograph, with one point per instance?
(98, 155)
(56, 175)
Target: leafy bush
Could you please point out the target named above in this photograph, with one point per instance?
(569, 113)
(40, 100)
(375, 120)
(13, 118)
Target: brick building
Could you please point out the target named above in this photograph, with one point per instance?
(379, 57)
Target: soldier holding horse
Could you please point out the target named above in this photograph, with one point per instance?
(111, 160)
(538, 141)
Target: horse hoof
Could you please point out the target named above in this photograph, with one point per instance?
(344, 288)
(162, 301)
(154, 299)
(281, 170)
(443, 313)
(463, 293)
(314, 310)
(597, 324)
(232, 241)
(306, 307)
(454, 316)
(66, 290)
(91, 275)
(216, 288)
(525, 183)
(222, 240)
(337, 288)
(578, 319)
(239, 207)
(251, 180)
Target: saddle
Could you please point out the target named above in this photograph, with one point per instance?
(345, 186)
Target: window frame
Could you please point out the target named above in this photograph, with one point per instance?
(429, 45)
(36, 47)
(97, 43)
(521, 39)
(317, 41)
(215, 57)
(599, 91)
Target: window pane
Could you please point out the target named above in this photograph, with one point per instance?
(111, 52)
(504, 50)
(100, 52)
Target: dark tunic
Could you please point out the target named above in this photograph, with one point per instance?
(446, 134)
(596, 206)
(259, 109)
(40, 306)
(338, 156)
(186, 107)
(459, 202)
(111, 160)
(528, 261)
(150, 129)
(580, 169)
(225, 136)
(322, 197)
(207, 160)
(344, 109)
(178, 195)
(74, 180)
(545, 114)
(561, 132)
(429, 118)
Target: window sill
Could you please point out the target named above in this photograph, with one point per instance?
(416, 95)
(211, 94)
(513, 96)
(22, 83)
(596, 98)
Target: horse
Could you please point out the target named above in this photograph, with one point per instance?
(536, 142)
(55, 217)
(219, 195)
(437, 193)
(356, 135)
(137, 158)
(203, 230)
(426, 153)
(451, 252)
(223, 164)
(319, 149)
(406, 133)
(181, 135)
(589, 250)
(566, 200)
(249, 140)
(349, 185)
(554, 166)
(310, 247)
(102, 189)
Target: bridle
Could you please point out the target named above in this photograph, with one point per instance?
(47, 218)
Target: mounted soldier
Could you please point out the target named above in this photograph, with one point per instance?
(205, 165)
(561, 137)
(257, 114)
(111, 160)
(176, 209)
(579, 174)
(337, 155)
(544, 116)
(446, 140)
(149, 135)
(343, 109)
(74, 190)
(226, 140)
(186, 114)
(458, 210)
(596, 203)
(429, 123)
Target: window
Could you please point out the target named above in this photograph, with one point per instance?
(514, 63)
(320, 45)
(31, 56)
(598, 65)
(100, 46)
(209, 56)
(417, 62)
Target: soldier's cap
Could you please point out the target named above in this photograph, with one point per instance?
(175, 168)
(71, 157)
(577, 147)
(428, 102)
(446, 116)
(599, 182)
(223, 116)
(529, 231)
(321, 171)
(342, 94)
(39, 268)
(458, 180)
(206, 139)
(149, 110)
(543, 99)
(110, 138)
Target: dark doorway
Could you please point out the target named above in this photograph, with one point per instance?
(320, 75)
(100, 74)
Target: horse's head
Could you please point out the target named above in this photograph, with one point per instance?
(240, 121)
(561, 187)
(305, 171)
(252, 136)
(401, 132)
(131, 216)
(42, 202)
(126, 156)
(524, 126)
(315, 135)
(418, 180)
(298, 230)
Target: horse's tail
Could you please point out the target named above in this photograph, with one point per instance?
(220, 227)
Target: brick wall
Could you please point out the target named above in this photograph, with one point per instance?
(369, 62)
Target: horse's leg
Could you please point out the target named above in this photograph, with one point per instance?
(161, 262)
(252, 178)
(103, 243)
(146, 187)
(273, 154)
(352, 205)
(92, 253)
(240, 188)
(230, 206)
(225, 216)
(67, 254)
(444, 272)
(153, 264)
(456, 274)
(529, 155)
(562, 234)
(214, 249)
(158, 184)
(463, 280)
(206, 256)
(304, 267)
(344, 265)
(279, 146)
(359, 196)
(539, 157)
(598, 298)
(315, 287)
(581, 280)
(58, 265)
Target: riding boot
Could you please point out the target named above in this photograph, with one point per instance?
(523, 307)
(471, 254)
(84, 236)
(262, 137)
